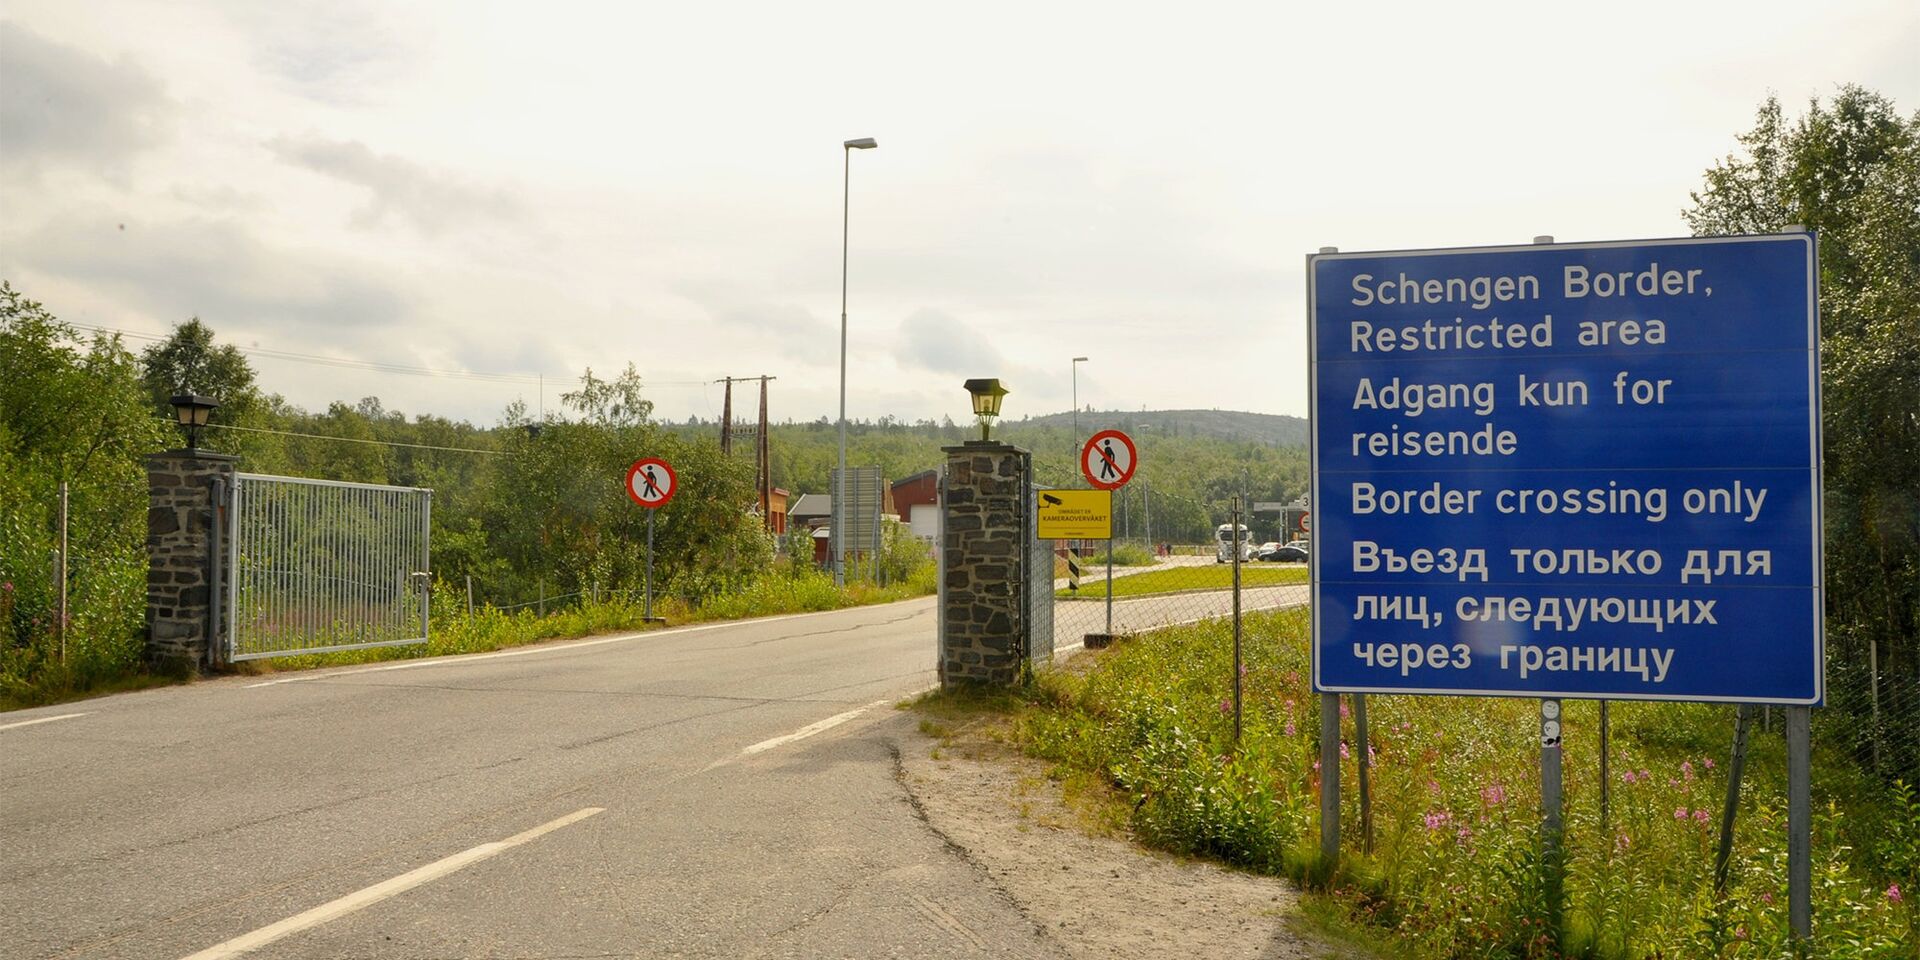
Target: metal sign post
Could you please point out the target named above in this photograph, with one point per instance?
(1107, 461)
(1239, 668)
(1570, 471)
(651, 483)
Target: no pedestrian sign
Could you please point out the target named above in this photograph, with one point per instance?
(651, 482)
(1569, 470)
(1108, 459)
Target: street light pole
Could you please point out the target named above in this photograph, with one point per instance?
(838, 515)
(1075, 445)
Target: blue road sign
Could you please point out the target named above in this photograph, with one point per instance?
(1569, 470)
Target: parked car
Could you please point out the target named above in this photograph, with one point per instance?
(1283, 554)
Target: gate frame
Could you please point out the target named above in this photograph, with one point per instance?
(229, 644)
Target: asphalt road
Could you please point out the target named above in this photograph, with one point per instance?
(701, 792)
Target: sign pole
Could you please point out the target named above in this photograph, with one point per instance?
(1605, 796)
(1109, 585)
(1799, 822)
(1238, 661)
(1736, 766)
(1362, 762)
(648, 613)
(1330, 781)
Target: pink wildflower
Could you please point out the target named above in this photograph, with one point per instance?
(1437, 820)
(1622, 842)
(1679, 813)
(1343, 750)
(1708, 763)
(1226, 705)
(1767, 898)
(1740, 933)
(1289, 704)
(1464, 834)
(1316, 765)
(1686, 769)
(1646, 774)
(1893, 893)
(1628, 777)
(1345, 712)
(1701, 816)
(1243, 671)
(1494, 796)
(1433, 786)
(1290, 730)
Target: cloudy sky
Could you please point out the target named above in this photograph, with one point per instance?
(531, 189)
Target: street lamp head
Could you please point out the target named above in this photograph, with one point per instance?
(192, 411)
(986, 401)
(1079, 359)
(864, 143)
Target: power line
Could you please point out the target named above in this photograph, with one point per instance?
(322, 436)
(381, 366)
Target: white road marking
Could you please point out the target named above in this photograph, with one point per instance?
(811, 729)
(463, 658)
(369, 896)
(29, 723)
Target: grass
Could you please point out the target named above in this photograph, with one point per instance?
(489, 628)
(1181, 579)
(1454, 870)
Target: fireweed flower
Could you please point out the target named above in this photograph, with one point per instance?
(1494, 796)
(1679, 813)
(1343, 750)
(1290, 730)
(1701, 816)
(1893, 893)
(1707, 762)
(1437, 820)
(1622, 842)
(1464, 834)
(1686, 769)
(1226, 706)
(1344, 711)
(1628, 777)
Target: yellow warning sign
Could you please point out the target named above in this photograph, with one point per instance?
(1075, 515)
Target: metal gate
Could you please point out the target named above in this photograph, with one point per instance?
(319, 565)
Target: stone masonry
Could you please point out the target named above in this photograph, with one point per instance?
(985, 558)
(180, 554)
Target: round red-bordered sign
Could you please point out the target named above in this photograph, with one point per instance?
(651, 482)
(1304, 527)
(1108, 459)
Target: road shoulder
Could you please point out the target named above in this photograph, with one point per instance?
(1096, 897)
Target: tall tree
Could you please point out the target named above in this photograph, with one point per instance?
(189, 361)
(1850, 171)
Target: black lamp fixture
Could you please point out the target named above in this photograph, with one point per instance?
(192, 411)
(986, 402)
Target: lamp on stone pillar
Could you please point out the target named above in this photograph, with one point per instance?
(192, 411)
(986, 402)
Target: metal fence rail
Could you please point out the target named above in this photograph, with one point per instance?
(319, 565)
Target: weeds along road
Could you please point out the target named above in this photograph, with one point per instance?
(442, 808)
(710, 791)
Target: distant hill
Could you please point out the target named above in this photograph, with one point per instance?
(1262, 428)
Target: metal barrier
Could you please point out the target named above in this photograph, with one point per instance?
(319, 565)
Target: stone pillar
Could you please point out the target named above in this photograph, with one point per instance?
(181, 561)
(985, 554)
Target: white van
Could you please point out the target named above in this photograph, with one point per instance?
(1223, 544)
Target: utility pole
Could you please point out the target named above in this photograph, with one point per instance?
(726, 421)
(766, 462)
